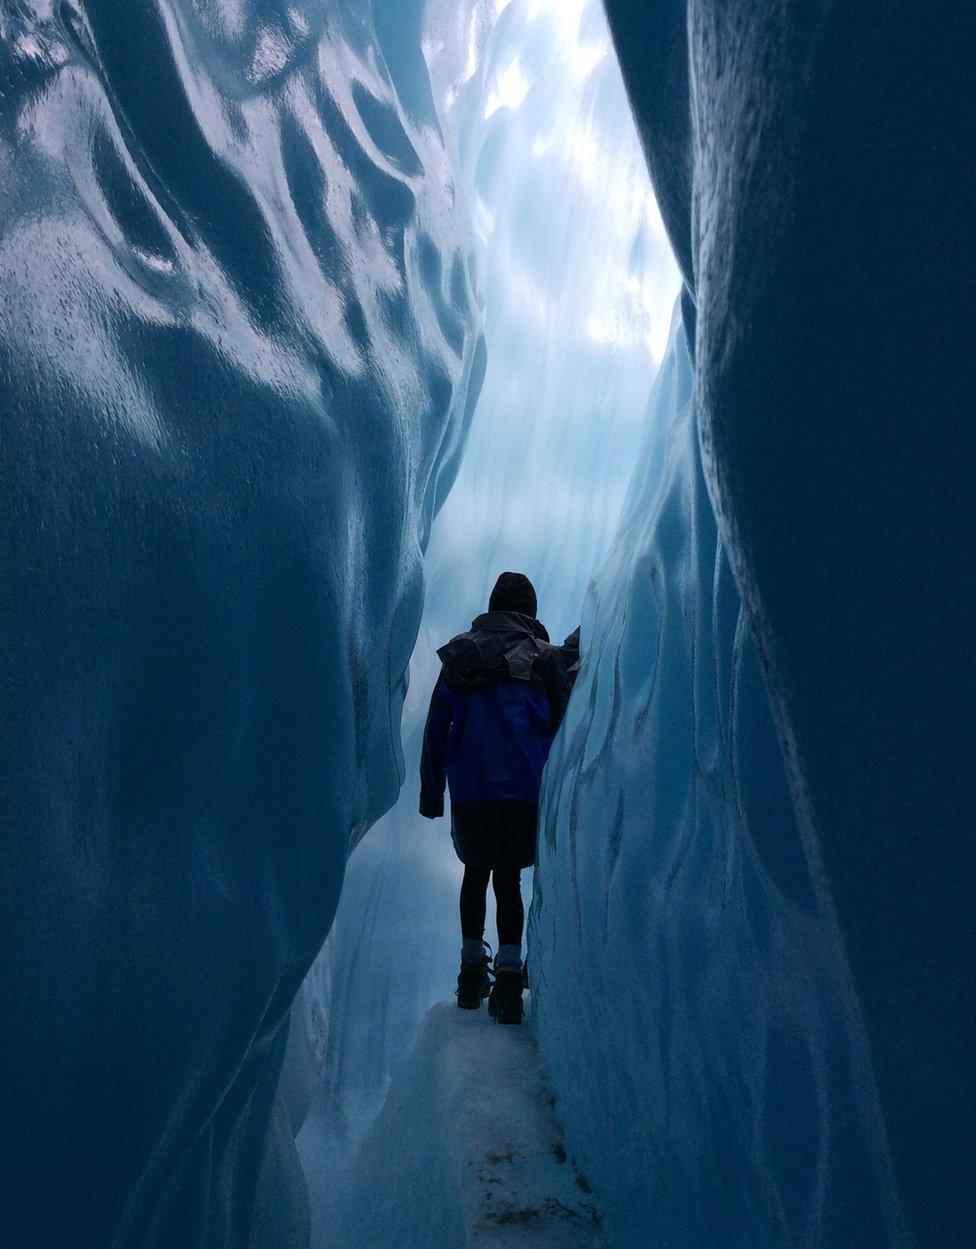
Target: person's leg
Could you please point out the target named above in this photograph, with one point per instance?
(505, 1000)
(510, 915)
(473, 980)
(474, 891)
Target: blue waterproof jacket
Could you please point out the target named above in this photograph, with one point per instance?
(493, 714)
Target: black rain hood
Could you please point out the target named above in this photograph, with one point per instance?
(500, 646)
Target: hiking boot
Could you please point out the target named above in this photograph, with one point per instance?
(505, 1001)
(473, 984)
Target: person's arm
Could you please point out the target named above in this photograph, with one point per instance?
(558, 685)
(570, 651)
(433, 758)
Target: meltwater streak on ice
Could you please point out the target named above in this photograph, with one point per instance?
(577, 287)
(236, 334)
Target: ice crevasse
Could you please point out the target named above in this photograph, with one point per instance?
(240, 348)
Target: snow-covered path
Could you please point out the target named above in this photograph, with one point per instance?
(467, 1152)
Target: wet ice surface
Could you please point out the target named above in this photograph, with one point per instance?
(467, 1152)
(237, 341)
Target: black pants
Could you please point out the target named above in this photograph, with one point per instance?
(509, 912)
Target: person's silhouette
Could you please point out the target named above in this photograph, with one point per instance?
(493, 714)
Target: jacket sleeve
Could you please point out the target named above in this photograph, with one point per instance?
(558, 684)
(433, 758)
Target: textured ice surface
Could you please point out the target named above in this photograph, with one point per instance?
(577, 285)
(808, 159)
(236, 333)
(678, 916)
(467, 1153)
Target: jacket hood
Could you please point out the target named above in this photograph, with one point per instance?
(499, 646)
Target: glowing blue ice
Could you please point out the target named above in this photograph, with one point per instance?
(236, 338)
(680, 917)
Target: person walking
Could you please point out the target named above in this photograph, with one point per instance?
(493, 713)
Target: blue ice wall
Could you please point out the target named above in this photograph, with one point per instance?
(237, 333)
(681, 919)
(812, 172)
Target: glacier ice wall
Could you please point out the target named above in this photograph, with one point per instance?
(577, 282)
(678, 914)
(779, 953)
(237, 330)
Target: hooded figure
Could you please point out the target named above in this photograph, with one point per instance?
(493, 714)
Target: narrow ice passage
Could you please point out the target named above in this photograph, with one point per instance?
(314, 316)
(680, 896)
(578, 286)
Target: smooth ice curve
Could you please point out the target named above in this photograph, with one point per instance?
(238, 347)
